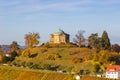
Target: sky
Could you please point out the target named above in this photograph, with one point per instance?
(19, 17)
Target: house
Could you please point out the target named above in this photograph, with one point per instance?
(7, 54)
(59, 37)
(113, 71)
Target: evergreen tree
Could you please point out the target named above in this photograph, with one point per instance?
(106, 45)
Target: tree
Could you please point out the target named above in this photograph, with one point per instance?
(93, 40)
(1, 55)
(115, 48)
(31, 39)
(96, 68)
(106, 45)
(13, 55)
(79, 38)
(98, 44)
(14, 46)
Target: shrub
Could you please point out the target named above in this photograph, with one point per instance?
(23, 64)
(53, 56)
(35, 66)
(43, 50)
(46, 66)
(29, 64)
(6, 59)
(75, 60)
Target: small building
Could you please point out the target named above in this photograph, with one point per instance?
(113, 71)
(77, 77)
(7, 54)
(59, 37)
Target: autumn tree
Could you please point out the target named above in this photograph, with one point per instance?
(106, 45)
(79, 38)
(31, 39)
(1, 55)
(115, 48)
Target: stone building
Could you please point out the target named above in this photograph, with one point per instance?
(59, 37)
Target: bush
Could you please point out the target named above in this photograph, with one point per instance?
(35, 66)
(29, 64)
(69, 69)
(53, 56)
(43, 50)
(23, 64)
(13, 55)
(46, 66)
(6, 59)
(76, 60)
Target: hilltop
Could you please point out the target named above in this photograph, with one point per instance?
(59, 55)
(66, 57)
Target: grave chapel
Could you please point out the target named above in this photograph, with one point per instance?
(59, 37)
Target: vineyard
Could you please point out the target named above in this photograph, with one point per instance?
(15, 73)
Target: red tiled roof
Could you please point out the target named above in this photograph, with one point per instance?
(7, 53)
(113, 68)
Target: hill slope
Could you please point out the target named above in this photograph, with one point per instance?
(15, 73)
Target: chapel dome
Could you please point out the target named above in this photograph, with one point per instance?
(59, 31)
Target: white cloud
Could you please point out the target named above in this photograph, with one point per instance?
(19, 7)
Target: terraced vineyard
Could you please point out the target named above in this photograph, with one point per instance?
(15, 73)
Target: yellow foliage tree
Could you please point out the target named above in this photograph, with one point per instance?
(1, 55)
(31, 39)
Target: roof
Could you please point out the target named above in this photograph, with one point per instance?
(113, 68)
(59, 31)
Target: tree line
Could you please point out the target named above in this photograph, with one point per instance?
(94, 41)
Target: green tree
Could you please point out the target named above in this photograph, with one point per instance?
(106, 45)
(14, 46)
(31, 39)
(93, 40)
(10, 58)
(98, 44)
(13, 55)
(96, 68)
(79, 38)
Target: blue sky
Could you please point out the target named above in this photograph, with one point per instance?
(19, 17)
